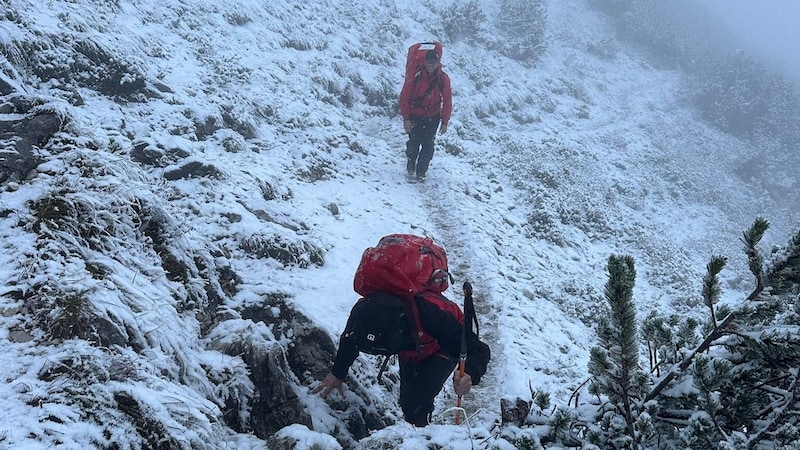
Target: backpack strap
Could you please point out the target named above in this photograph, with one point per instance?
(469, 312)
(412, 311)
(425, 345)
(383, 368)
(437, 82)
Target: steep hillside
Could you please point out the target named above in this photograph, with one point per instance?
(188, 186)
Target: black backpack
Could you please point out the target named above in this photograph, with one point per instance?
(378, 325)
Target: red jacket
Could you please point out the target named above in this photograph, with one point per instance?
(439, 100)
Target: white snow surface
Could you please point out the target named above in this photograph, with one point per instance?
(544, 173)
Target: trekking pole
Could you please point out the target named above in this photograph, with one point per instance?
(462, 359)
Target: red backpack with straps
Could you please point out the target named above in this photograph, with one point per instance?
(415, 60)
(425, 344)
(405, 266)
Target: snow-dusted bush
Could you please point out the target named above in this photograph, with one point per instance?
(733, 387)
(739, 95)
(522, 25)
(298, 252)
(463, 20)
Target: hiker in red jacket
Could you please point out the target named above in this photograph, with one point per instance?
(425, 102)
(372, 322)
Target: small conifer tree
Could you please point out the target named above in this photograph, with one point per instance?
(739, 387)
(614, 364)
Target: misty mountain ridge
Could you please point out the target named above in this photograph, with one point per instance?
(188, 187)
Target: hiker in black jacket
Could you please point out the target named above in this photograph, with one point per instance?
(421, 377)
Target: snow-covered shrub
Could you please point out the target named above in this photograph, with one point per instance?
(301, 253)
(315, 167)
(238, 18)
(463, 20)
(606, 48)
(380, 93)
(522, 24)
(80, 60)
(274, 190)
(739, 95)
(62, 315)
(68, 214)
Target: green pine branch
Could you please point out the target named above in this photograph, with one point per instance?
(755, 260)
(711, 286)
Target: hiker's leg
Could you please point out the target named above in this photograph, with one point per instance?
(413, 144)
(427, 138)
(419, 385)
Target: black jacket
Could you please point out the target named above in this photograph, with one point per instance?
(440, 324)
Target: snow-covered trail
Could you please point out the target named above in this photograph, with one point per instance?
(446, 202)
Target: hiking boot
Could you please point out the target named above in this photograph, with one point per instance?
(420, 177)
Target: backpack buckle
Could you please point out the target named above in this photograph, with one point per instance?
(441, 277)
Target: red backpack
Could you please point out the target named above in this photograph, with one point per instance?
(403, 265)
(407, 266)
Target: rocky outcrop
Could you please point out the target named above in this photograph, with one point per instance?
(26, 124)
(308, 357)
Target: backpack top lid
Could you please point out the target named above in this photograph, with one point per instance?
(402, 265)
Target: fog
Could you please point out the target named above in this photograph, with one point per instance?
(767, 29)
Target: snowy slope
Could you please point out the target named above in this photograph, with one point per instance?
(543, 174)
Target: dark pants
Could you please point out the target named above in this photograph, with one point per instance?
(419, 148)
(420, 384)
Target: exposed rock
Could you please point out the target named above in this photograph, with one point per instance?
(18, 137)
(19, 336)
(308, 354)
(6, 86)
(193, 169)
(514, 411)
(146, 153)
(311, 349)
(334, 209)
(276, 404)
(107, 333)
(154, 154)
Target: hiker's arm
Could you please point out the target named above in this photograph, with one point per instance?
(345, 355)
(446, 329)
(447, 102)
(333, 380)
(405, 100)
